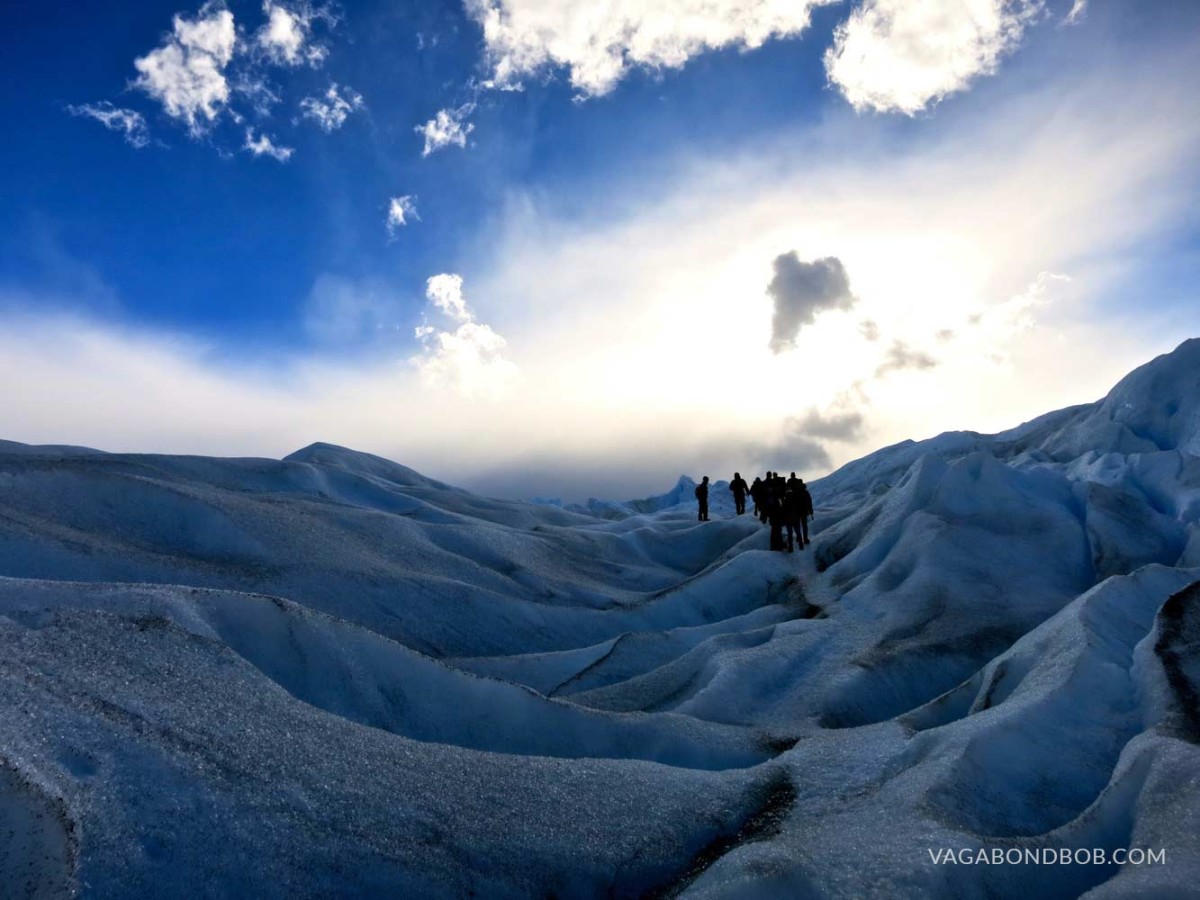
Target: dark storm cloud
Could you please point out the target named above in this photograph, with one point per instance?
(831, 426)
(797, 453)
(800, 290)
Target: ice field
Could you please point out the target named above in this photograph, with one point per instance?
(329, 675)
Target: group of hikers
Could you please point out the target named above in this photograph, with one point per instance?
(783, 503)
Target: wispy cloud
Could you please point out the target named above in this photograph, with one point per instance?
(449, 128)
(252, 86)
(287, 37)
(187, 73)
(127, 122)
(208, 66)
(904, 55)
(331, 110)
(401, 211)
(263, 145)
(1077, 13)
(900, 356)
(599, 41)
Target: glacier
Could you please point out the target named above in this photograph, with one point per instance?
(331, 675)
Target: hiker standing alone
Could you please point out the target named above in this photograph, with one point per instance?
(702, 498)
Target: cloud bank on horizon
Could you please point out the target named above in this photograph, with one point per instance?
(886, 265)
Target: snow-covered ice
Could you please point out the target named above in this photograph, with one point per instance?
(330, 675)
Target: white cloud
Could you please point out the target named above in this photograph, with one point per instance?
(448, 128)
(187, 73)
(904, 55)
(254, 88)
(600, 40)
(401, 211)
(264, 146)
(286, 38)
(471, 357)
(1009, 317)
(445, 292)
(331, 111)
(129, 123)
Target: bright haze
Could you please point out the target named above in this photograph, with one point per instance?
(579, 247)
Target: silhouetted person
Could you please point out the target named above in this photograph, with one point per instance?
(764, 501)
(791, 518)
(793, 482)
(756, 491)
(702, 497)
(740, 489)
(774, 514)
(805, 504)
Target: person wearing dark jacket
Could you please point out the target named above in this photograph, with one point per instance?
(805, 508)
(766, 496)
(756, 494)
(740, 489)
(774, 514)
(791, 519)
(702, 498)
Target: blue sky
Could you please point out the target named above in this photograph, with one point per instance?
(582, 297)
(199, 234)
